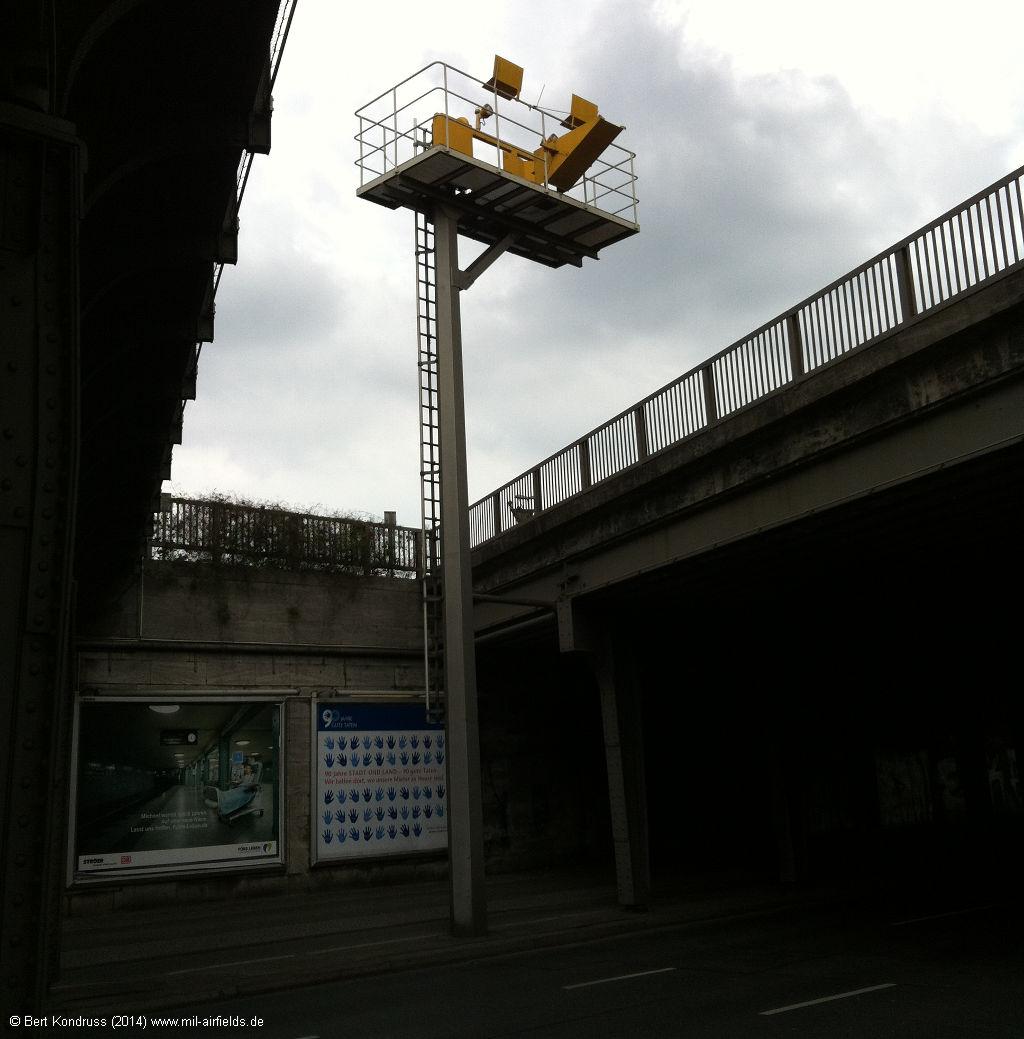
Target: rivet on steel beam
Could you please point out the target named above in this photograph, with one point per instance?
(43, 566)
(16, 301)
(47, 513)
(34, 669)
(51, 369)
(30, 708)
(51, 337)
(21, 461)
(11, 366)
(5, 484)
(8, 433)
(40, 593)
(51, 403)
(19, 511)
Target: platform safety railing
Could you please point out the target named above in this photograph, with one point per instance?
(395, 127)
(954, 254)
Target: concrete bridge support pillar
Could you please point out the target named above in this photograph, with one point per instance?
(610, 661)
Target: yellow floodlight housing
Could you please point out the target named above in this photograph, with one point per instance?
(580, 111)
(507, 80)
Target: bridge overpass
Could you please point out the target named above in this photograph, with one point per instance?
(789, 572)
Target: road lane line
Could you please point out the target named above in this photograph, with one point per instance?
(621, 977)
(370, 945)
(827, 999)
(234, 963)
(942, 916)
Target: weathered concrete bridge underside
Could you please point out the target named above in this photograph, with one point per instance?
(815, 577)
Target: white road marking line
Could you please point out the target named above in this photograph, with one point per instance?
(621, 977)
(827, 999)
(941, 916)
(233, 963)
(370, 945)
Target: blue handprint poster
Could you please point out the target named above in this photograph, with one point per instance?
(380, 781)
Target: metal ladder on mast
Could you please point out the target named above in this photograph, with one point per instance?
(430, 467)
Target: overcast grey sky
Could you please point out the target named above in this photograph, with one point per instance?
(778, 145)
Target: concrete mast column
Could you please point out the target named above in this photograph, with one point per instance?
(465, 812)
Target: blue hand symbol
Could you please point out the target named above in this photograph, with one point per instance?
(426, 742)
(367, 758)
(404, 758)
(367, 833)
(329, 743)
(328, 796)
(392, 831)
(327, 836)
(402, 743)
(416, 792)
(353, 833)
(405, 830)
(366, 743)
(391, 743)
(440, 790)
(392, 812)
(328, 816)
(391, 793)
(367, 814)
(329, 760)
(405, 812)
(416, 758)
(440, 757)
(405, 793)
(340, 815)
(417, 829)
(378, 742)
(427, 758)
(391, 759)
(380, 833)
(428, 811)
(440, 811)
(367, 793)
(379, 813)
(342, 796)
(341, 836)
(353, 744)
(353, 815)
(416, 812)
(379, 758)
(342, 760)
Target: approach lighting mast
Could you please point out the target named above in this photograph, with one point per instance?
(472, 158)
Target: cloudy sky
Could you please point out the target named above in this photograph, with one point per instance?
(779, 145)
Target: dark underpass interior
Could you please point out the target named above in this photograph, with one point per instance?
(830, 700)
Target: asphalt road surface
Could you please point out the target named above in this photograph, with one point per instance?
(953, 971)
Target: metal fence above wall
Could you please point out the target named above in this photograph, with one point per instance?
(951, 256)
(248, 535)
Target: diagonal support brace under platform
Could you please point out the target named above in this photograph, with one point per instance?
(464, 279)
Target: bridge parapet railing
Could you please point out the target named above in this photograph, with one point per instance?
(954, 254)
(250, 535)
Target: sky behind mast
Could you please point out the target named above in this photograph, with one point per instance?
(778, 145)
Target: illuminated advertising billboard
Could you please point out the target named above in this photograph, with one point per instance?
(380, 785)
(174, 784)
